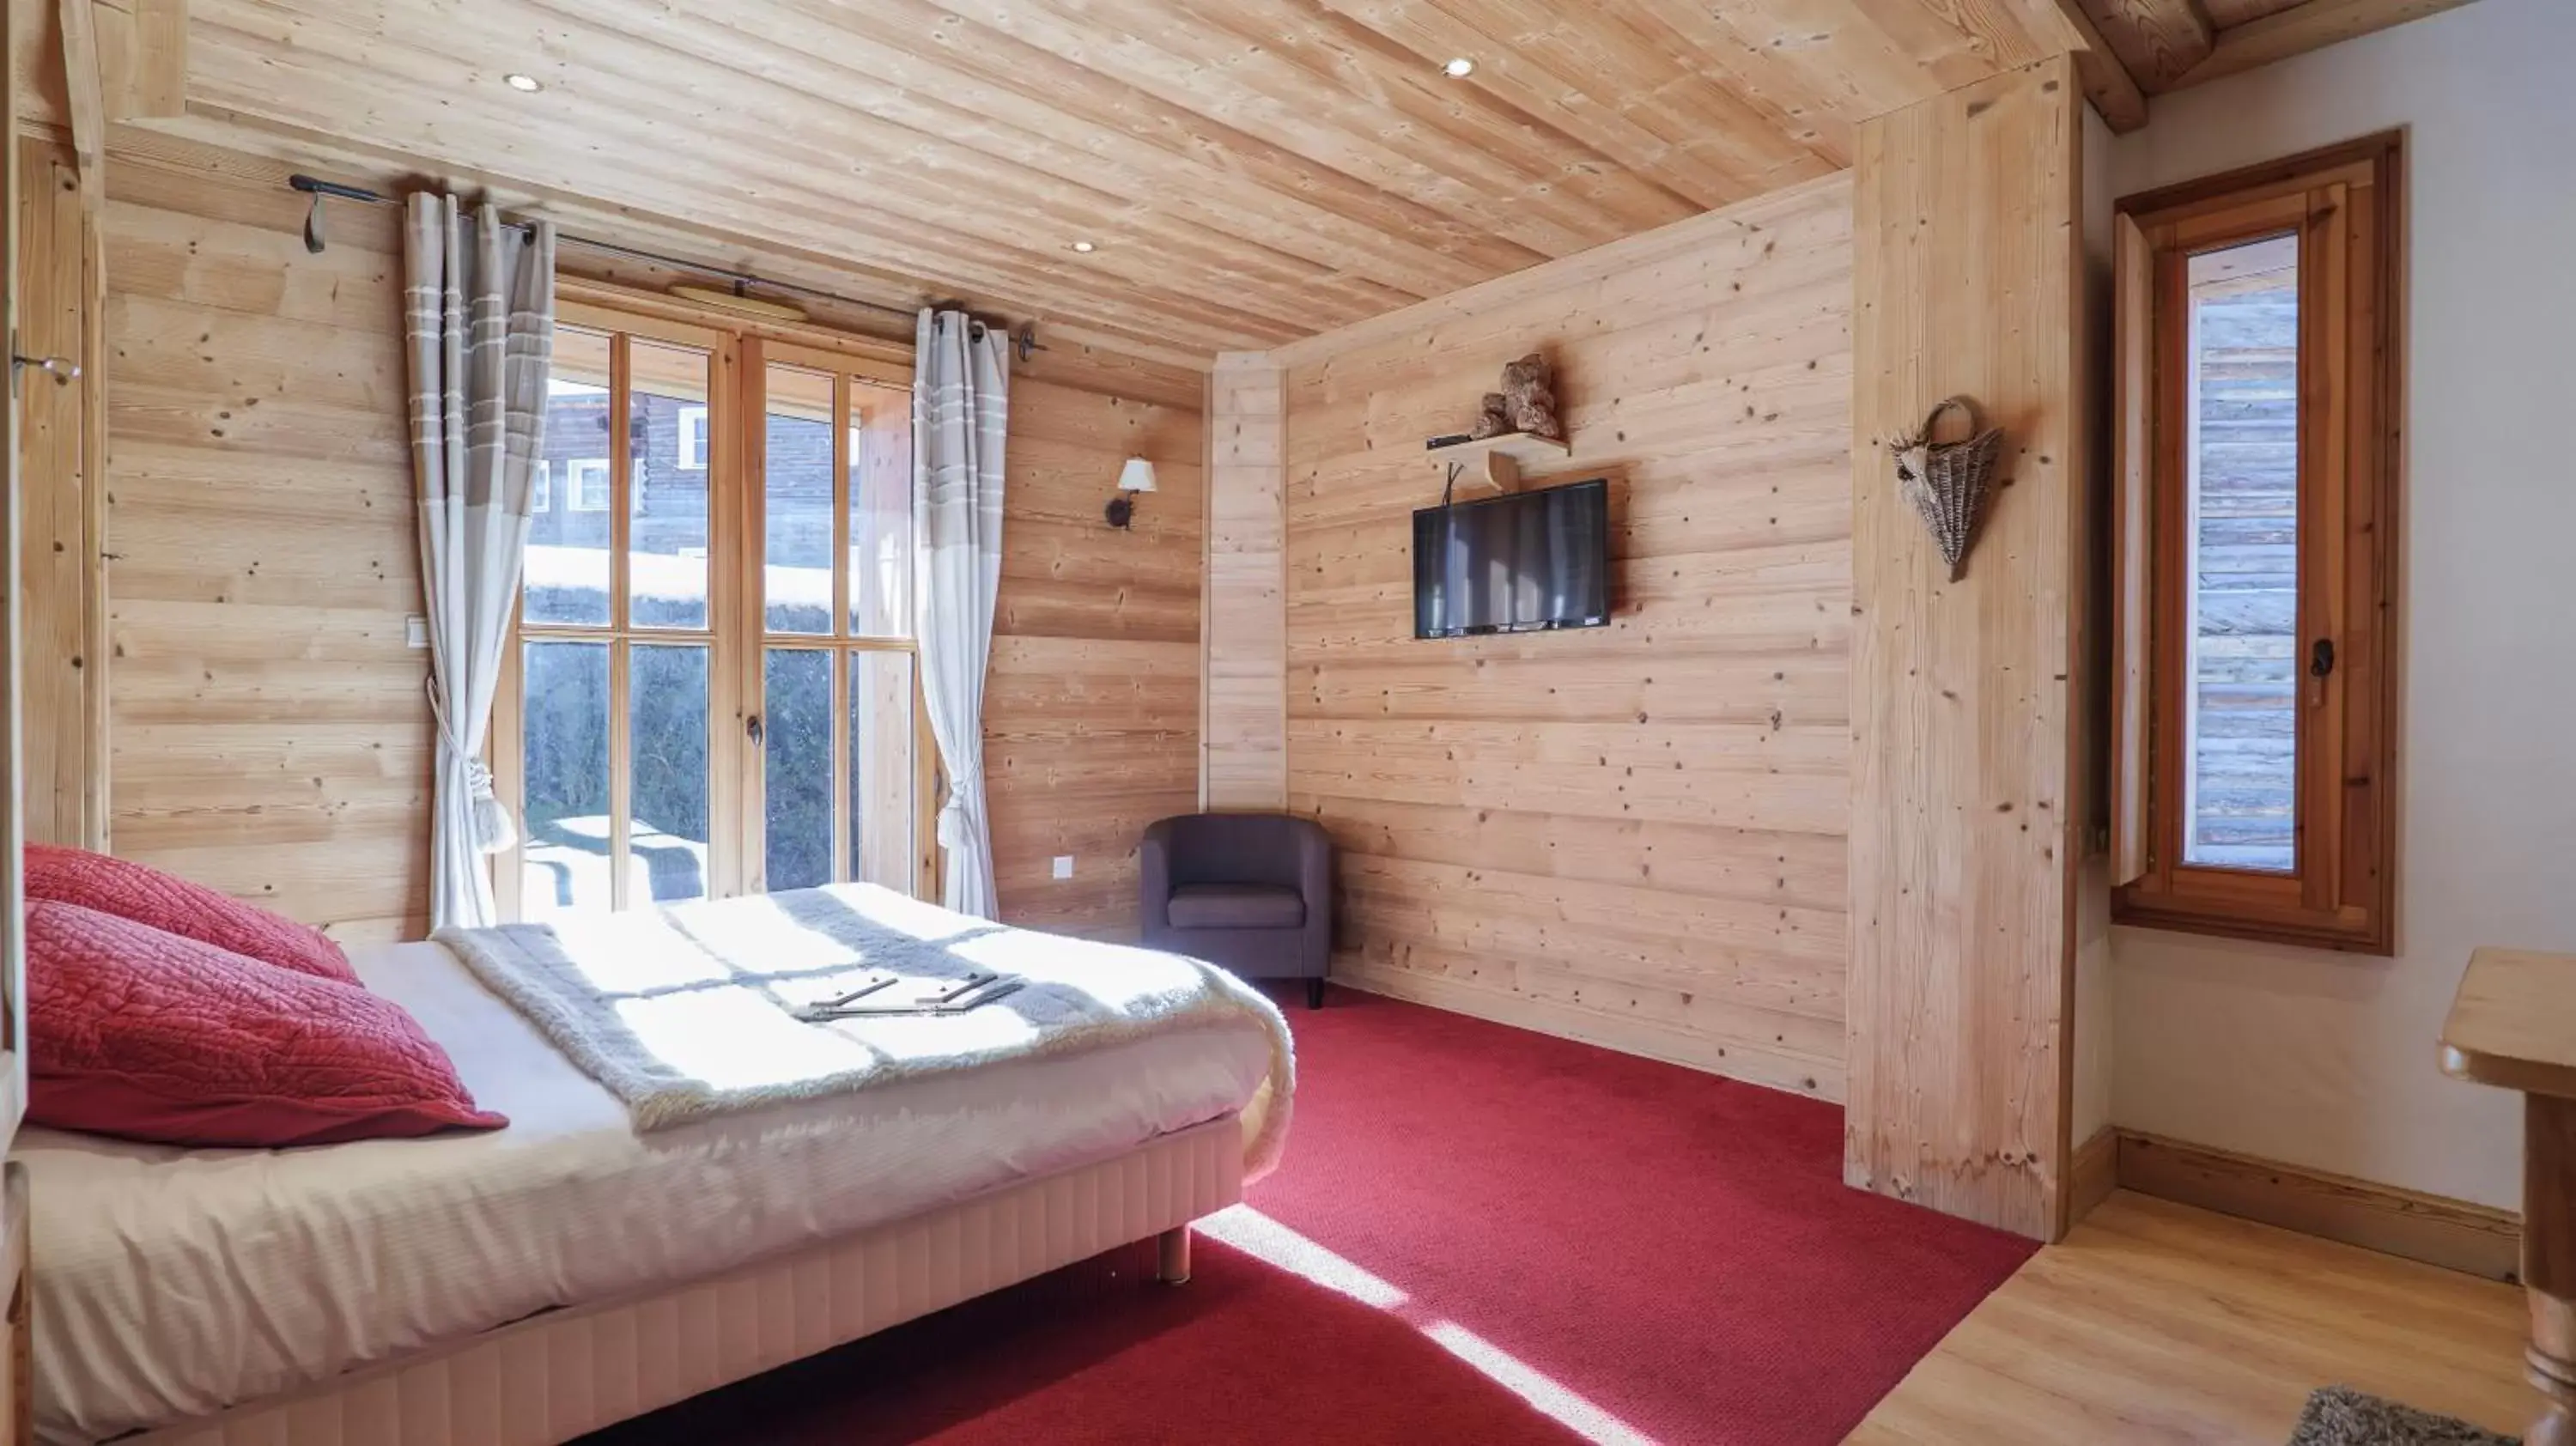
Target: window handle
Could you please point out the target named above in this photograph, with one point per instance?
(2320, 663)
(751, 727)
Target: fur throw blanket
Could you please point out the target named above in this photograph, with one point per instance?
(687, 1012)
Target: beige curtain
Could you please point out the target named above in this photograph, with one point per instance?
(960, 421)
(479, 317)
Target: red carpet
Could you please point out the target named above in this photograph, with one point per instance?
(1658, 1254)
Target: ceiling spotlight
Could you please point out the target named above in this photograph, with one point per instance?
(1459, 68)
(1084, 248)
(528, 83)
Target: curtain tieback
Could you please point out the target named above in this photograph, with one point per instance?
(958, 816)
(493, 830)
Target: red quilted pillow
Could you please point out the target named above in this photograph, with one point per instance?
(149, 1035)
(167, 902)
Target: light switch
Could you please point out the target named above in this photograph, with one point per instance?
(1064, 866)
(415, 631)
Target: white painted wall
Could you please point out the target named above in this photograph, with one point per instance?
(2325, 1060)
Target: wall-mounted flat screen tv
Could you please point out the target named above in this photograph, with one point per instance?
(1520, 563)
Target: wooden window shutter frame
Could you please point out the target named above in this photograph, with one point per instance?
(2344, 205)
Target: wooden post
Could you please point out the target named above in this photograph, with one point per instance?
(1966, 814)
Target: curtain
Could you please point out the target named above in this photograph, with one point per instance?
(960, 414)
(478, 317)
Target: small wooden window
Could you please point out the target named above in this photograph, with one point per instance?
(2256, 404)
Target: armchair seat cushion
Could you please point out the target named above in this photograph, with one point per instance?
(1237, 906)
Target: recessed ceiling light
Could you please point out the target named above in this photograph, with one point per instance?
(529, 83)
(1085, 247)
(1459, 68)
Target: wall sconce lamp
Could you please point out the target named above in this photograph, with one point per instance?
(1137, 476)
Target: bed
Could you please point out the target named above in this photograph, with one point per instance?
(503, 1289)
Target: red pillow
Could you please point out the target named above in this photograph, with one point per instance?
(136, 1032)
(167, 902)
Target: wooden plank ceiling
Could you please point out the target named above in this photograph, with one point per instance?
(1250, 171)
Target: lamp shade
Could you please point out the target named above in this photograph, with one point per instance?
(1136, 476)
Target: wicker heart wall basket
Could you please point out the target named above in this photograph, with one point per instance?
(1948, 482)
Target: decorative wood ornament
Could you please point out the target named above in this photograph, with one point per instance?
(1529, 392)
(1948, 481)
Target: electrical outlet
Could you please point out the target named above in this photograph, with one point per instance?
(415, 631)
(1064, 866)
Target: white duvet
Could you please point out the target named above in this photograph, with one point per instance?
(171, 1283)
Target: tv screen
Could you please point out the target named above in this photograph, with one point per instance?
(1523, 562)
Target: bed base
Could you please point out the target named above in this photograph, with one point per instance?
(547, 1379)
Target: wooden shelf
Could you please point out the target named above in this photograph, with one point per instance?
(1497, 461)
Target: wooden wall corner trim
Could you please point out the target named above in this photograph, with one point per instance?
(2437, 1230)
(2108, 83)
(1243, 731)
(2094, 1174)
(1966, 817)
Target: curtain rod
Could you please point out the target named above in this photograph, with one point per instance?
(1024, 341)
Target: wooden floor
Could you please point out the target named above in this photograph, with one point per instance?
(2159, 1322)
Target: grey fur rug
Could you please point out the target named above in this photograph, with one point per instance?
(2342, 1416)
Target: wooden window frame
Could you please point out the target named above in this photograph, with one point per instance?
(573, 487)
(739, 349)
(889, 426)
(2345, 204)
(700, 434)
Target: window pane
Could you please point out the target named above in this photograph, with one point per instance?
(796, 732)
(567, 566)
(667, 536)
(667, 743)
(797, 497)
(880, 515)
(565, 731)
(881, 801)
(2241, 785)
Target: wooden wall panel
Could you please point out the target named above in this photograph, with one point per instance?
(57, 487)
(267, 723)
(1244, 733)
(1965, 808)
(267, 726)
(1631, 835)
(1091, 712)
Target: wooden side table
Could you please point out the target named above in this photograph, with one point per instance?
(2513, 1025)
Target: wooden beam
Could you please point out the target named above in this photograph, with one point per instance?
(2312, 26)
(2157, 40)
(88, 108)
(2098, 68)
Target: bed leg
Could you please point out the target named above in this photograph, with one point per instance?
(1172, 1256)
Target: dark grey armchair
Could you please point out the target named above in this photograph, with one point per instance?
(1252, 892)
